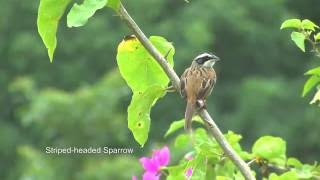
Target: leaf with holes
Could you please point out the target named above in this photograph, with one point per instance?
(137, 66)
(49, 14)
(139, 112)
(79, 14)
(298, 38)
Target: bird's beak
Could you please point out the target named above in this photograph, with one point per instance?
(216, 59)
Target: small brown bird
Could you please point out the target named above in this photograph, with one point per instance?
(197, 82)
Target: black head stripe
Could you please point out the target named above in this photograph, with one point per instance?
(202, 58)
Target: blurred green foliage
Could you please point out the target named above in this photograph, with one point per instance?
(81, 100)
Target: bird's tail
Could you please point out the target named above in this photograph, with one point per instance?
(188, 114)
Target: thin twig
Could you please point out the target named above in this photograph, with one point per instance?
(215, 131)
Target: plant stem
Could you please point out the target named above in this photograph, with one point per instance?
(175, 80)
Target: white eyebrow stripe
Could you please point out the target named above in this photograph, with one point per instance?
(203, 55)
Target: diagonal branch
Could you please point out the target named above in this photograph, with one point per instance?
(215, 131)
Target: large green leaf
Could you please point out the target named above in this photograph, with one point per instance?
(291, 23)
(79, 14)
(49, 14)
(139, 112)
(298, 38)
(137, 66)
(311, 82)
(271, 148)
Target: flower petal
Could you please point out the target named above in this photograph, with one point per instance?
(134, 177)
(150, 165)
(150, 176)
(189, 172)
(162, 156)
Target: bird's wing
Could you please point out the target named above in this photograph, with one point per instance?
(207, 84)
(183, 82)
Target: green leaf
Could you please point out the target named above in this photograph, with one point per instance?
(225, 168)
(317, 37)
(307, 24)
(79, 14)
(199, 167)
(176, 125)
(271, 148)
(139, 112)
(138, 68)
(290, 175)
(176, 172)
(291, 23)
(234, 140)
(305, 171)
(49, 14)
(294, 162)
(316, 97)
(182, 141)
(311, 82)
(314, 71)
(298, 38)
(114, 4)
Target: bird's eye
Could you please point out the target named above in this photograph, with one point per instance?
(200, 60)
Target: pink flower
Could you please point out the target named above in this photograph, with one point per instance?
(152, 165)
(159, 158)
(189, 172)
(150, 176)
(134, 177)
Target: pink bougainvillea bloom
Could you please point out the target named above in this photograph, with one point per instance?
(134, 177)
(160, 157)
(150, 164)
(150, 176)
(189, 172)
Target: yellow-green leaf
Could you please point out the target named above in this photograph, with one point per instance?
(271, 148)
(114, 4)
(79, 14)
(291, 23)
(176, 125)
(309, 25)
(311, 82)
(317, 37)
(49, 14)
(294, 162)
(138, 67)
(298, 38)
(290, 175)
(316, 98)
(314, 71)
(139, 112)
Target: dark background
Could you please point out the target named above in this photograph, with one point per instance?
(80, 99)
